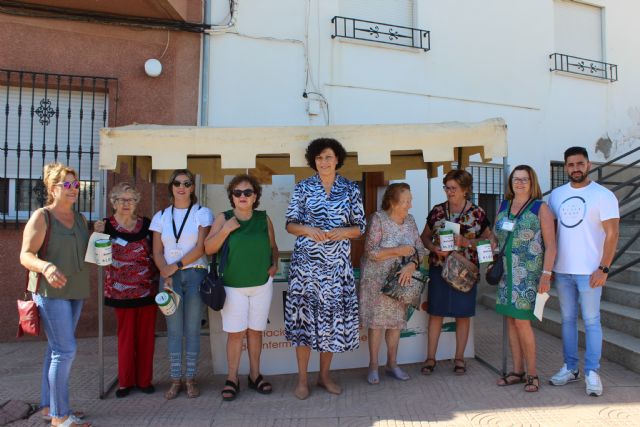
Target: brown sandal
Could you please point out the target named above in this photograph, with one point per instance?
(511, 378)
(428, 368)
(533, 384)
(192, 389)
(174, 389)
(459, 369)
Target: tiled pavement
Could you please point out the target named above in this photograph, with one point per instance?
(441, 399)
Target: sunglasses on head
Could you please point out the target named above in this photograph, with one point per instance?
(247, 193)
(186, 184)
(70, 184)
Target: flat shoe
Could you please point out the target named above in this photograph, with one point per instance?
(78, 415)
(231, 392)
(373, 378)
(192, 389)
(174, 389)
(428, 368)
(260, 385)
(148, 389)
(123, 392)
(397, 373)
(459, 369)
(301, 394)
(333, 388)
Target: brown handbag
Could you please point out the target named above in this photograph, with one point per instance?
(29, 317)
(460, 273)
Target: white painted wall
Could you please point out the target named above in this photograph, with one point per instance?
(487, 59)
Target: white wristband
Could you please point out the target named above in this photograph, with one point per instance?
(47, 265)
(547, 272)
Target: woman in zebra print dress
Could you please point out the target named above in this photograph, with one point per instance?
(321, 309)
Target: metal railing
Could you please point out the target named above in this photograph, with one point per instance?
(627, 192)
(50, 117)
(378, 32)
(583, 66)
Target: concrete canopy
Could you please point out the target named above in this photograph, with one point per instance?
(266, 151)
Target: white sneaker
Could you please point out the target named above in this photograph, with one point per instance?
(564, 376)
(594, 385)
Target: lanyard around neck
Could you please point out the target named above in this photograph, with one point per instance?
(522, 208)
(459, 215)
(176, 233)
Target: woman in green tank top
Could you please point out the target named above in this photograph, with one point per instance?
(59, 283)
(251, 263)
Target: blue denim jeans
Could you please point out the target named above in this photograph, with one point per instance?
(59, 318)
(574, 292)
(186, 322)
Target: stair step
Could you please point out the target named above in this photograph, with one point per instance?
(619, 317)
(617, 346)
(622, 293)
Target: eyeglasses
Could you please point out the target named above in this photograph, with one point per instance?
(124, 201)
(520, 180)
(186, 184)
(70, 184)
(449, 189)
(247, 193)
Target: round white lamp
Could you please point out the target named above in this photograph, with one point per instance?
(152, 67)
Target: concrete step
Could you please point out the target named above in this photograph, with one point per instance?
(630, 275)
(617, 346)
(622, 293)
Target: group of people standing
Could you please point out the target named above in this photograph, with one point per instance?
(324, 308)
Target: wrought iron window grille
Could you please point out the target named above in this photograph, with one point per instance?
(378, 32)
(584, 67)
(50, 117)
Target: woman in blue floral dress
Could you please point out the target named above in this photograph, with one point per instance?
(525, 225)
(321, 308)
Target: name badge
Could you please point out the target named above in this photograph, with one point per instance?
(176, 254)
(120, 241)
(508, 225)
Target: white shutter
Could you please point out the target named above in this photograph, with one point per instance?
(396, 12)
(72, 133)
(578, 29)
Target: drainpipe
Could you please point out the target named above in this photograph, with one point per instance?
(204, 74)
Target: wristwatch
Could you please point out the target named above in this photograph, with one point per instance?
(180, 265)
(604, 269)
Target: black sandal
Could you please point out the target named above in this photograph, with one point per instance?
(533, 384)
(459, 369)
(260, 385)
(519, 379)
(428, 368)
(230, 392)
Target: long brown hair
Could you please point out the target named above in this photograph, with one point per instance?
(192, 178)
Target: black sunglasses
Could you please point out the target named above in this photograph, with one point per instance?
(186, 184)
(247, 193)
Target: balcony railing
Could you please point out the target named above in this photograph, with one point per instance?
(378, 32)
(583, 66)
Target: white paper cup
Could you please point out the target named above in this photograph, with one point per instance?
(103, 252)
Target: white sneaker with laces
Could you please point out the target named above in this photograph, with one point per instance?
(593, 383)
(564, 376)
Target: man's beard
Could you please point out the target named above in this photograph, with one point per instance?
(578, 179)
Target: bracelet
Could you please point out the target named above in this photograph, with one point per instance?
(547, 272)
(44, 268)
(416, 263)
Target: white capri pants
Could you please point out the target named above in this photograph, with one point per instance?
(247, 307)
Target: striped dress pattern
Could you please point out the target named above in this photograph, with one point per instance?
(321, 306)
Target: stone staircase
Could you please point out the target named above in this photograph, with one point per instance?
(619, 310)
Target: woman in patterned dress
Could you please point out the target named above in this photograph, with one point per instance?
(392, 235)
(443, 300)
(130, 288)
(321, 308)
(528, 256)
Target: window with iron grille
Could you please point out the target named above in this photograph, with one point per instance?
(488, 187)
(47, 118)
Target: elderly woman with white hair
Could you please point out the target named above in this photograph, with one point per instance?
(130, 288)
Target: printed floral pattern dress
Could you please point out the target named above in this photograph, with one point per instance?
(442, 299)
(523, 258)
(321, 307)
(378, 311)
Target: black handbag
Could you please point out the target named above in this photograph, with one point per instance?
(212, 286)
(495, 270)
(406, 294)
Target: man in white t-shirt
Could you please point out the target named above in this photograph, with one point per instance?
(587, 218)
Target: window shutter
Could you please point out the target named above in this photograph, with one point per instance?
(397, 12)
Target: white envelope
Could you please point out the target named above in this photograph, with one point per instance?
(90, 255)
(541, 299)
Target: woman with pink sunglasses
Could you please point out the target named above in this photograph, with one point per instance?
(59, 283)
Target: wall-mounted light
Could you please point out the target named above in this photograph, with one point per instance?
(152, 67)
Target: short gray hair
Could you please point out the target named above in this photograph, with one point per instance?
(122, 188)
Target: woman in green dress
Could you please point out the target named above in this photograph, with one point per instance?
(524, 227)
